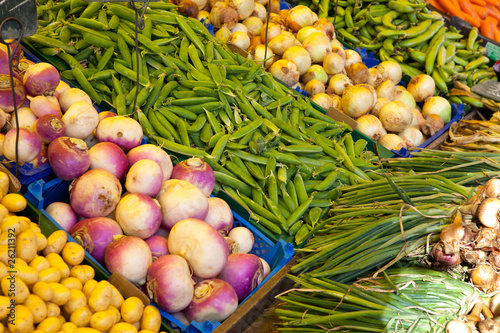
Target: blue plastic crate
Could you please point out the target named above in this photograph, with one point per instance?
(41, 194)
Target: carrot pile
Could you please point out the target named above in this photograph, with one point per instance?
(483, 14)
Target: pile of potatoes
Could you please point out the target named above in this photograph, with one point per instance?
(45, 288)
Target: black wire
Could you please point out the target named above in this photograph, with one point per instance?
(12, 56)
(267, 27)
(335, 17)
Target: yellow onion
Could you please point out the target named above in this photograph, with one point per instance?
(262, 2)
(372, 90)
(390, 70)
(282, 42)
(387, 90)
(315, 72)
(240, 39)
(492, 188)
(432, 124)
(258, 53)
(188, 8)
(333, 63)
(412, 137)
(203, 15)
(285, 71)
(418, 120)
(314, 87)
(300, 57)
(404, 95)
(259, 11)
(374, 77)
(339, 50)
(304, 32)
(254, 41)
(275, 6)
(421, 87)
(223, 34)
(338, 83)
(299, 17)
(326, 26)
(276, 18)
(437, 105)
(488, 211)
(244, 8)
(223, 13)
(337, 101)
(239, 27)
(283, 14)
(317, 44)
(379, 104)
(457, 326)
(273, 30)
(357, 72)
(396, 116)
(484, 277)
(352, 57)
(254, 25)
(391, 141)
(371, 126)
(323, 100)
(335, 42)
(356, 101)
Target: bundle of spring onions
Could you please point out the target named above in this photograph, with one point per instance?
(406, 299)
(475, 135)
(461, 168)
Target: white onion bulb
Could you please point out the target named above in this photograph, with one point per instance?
(412, 137)
(282, 42)
(299, 17)
(300, 57)
(338, 83)
(371, 126)
(357, 101)
(390, 70)
(396, 116)
(304, 32)
(352, 57)
(333, 63)
(317, 44)
(379, 104)
(240, 39)
(285, 71)
(387, 90)
(421, 87)
(315, 72)
(437, 105)
(392, 141)
(323, 100)
(259, 52)
(314, 87)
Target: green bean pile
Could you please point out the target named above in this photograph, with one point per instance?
(270, 149)
(407, 32)
(410, 299)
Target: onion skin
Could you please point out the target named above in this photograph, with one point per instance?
(197, 172)
(179, 200)
(337, 84)
(201, 245)
(63, 214)
(299, 17)
(145, 177)
(314, 87)
(445, 260)
(484, 277)
(49, 128)
(95, 193)
(138, 215)
(317, 44)
(158, 246)
(219, 215)
(326, 26)
(124, 131)
(390, 70)
(95, 235)
(41, 78)
(152, 152)
(240, 39)
(437, 105)
(286, 71)
(6, 101)
(169, 283)
(421, 87)
(213, 300)
(110, 157)
(244, 272)
(68, 157)
(130, 256)
(30, 145)
(223, 13)
(357, 72)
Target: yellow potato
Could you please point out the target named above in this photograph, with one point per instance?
(81, 317)
(146, 331)
(137, 325)
(69, 327)
(6, 254)
(43, 290)
(15, 224)
(100, 297)
(87, 330)
(14, 288)
(3, 270)
(61, 318)
(4, 237)
(151, 319)
(73, 253)
(49, 325)
(56, 242)
(14, 202)
(55, 260)
(131, 309)
(76, 300)
(4, 182)
(3, 212)
(37, 307)
(21, 321)
(26, 247)
(82, 273)
(41, 241)
(117, 298)
(51, 274)
(2, 328)
(53, 310)
(28, 274)
(4, 307)
(61, 293)
(39, 263)
(123, 328)
(88, 287)
(102, 320)
(116, 313)
(72, 283)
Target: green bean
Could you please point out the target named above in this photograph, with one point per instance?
(179, 148)
(188, 31)
(86, 86)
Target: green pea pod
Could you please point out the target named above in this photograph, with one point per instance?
(85, 84)
(348, 37)
(476, 63)
(441, 56)
(423, 36)
(430, 61)
(439, 81)
(400, 6)
(471, 39)
(388, 18)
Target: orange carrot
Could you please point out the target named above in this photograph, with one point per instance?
(496, 32)
(481, 11)
(456, 3)
(493, 3)
(450, 7)
(472, 20)
(437, 5)
(492, 11)
(486, 28)
(466, 7)
(479, 2)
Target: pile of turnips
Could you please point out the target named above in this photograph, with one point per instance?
(162, 231)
